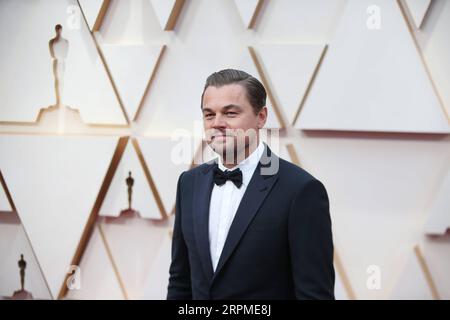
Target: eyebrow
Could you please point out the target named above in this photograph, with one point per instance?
(227, 107)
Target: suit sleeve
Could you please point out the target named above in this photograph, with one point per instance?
(311, 243)
(179, 287)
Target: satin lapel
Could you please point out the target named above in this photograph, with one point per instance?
(203, 186)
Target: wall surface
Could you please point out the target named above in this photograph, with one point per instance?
(359, 97)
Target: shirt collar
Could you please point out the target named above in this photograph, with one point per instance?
(248, 165)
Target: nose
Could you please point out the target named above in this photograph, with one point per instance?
(219, 122)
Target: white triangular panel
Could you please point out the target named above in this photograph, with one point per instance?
(30, 40)
(365, 82)
(131, 67)
(340, 292)
(412, 284)
(116, 198)
(166, 160)
(439, 219)
(54, 182)
(4, 202)
(126, 22)
(158, 276)
(163, 8)
(134, 245)
(91, 9)
(246, 10)
(418, 9)
(438, 262)
(290, 69)
(85, 84)
(98, 279)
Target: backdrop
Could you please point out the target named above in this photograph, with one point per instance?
(358, 95)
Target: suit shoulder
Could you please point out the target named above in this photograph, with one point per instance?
(191, 172)
(295, 174)
(296, 180)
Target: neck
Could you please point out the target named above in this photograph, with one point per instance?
(240, 155)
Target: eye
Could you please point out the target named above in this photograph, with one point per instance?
(231, 113)
(208, 115)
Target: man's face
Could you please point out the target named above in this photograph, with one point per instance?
(229, 119)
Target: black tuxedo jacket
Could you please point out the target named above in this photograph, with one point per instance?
(279, 245)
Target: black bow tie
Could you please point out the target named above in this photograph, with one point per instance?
(220, 177)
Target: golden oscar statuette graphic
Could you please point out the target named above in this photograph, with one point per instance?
(129, 212)
(22, 294)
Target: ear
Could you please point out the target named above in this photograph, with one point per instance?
(262, 117)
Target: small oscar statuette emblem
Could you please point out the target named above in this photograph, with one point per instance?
(129, 212)
(22, 294)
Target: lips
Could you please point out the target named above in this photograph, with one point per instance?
(220, 137)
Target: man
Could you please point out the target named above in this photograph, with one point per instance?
(248, 225)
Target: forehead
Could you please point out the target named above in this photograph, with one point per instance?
(218, 97)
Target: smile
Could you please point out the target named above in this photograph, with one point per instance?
(222, 137)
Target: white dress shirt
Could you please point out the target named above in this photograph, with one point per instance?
(225, 200)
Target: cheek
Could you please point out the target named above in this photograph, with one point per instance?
(245, 127)
(207, 124)
(207, 129)
(246, 123)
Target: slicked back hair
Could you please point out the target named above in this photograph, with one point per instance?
(256, 93)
